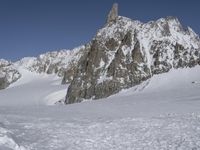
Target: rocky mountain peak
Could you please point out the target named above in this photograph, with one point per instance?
(113, 14)
(126, 52)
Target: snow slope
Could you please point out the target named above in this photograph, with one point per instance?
(7, 140)
(162, 113)
(33, 89)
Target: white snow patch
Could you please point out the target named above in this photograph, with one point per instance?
(33, 89)
(103, 78)
(55, 97)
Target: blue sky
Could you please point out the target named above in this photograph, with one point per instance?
(32, 27)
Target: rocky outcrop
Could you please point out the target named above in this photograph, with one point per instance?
(126, 52)
(8, 74)
(112, 16)
(3, 83)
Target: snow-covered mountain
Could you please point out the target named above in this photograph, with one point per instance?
(153, 66)
(123, 54)
(62, 63)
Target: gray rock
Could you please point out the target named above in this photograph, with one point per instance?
(112, 16)
(3, 83)
(8, 74)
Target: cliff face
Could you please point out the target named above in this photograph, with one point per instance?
(126, 52)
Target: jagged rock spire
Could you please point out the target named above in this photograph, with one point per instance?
(112, 16)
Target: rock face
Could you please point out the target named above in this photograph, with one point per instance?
(126, 52)
(8, 74)
(112, 16)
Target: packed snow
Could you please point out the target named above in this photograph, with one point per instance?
(33, 89)
(7, 140)
(161, 113)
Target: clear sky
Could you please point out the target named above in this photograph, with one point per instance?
(32, 27)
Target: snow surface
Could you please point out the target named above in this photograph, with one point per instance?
(7, 141)
(33, 89)
(161, 113)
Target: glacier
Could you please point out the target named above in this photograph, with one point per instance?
(161, 113)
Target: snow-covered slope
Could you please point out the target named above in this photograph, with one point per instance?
(161, 113)
(7, 140)
(33, 89)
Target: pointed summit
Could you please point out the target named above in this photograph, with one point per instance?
(112, 16)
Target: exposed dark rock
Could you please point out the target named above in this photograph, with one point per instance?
(136, 54)
(111, 44)
(3, 83)
(8, 74)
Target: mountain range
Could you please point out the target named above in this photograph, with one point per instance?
(123, 54)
